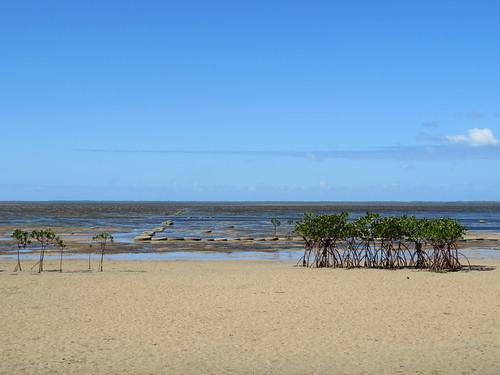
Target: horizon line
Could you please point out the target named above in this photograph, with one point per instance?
(255, 201)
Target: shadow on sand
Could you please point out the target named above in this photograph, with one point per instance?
(478, 267)
(70, 271)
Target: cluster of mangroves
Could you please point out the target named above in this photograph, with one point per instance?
(373, 241)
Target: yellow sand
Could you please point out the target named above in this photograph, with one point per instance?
(183, 317)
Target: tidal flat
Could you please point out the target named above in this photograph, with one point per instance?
(216, 227)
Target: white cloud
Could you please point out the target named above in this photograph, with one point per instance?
(475, 137)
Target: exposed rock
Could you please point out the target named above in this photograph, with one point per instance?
(142, 238)
(192, 238)
(159, 239)
(272, 238)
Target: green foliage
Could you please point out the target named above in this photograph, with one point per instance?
(102, 239)
(22, 237)
(290, 223)
(393, 228)
(376, 241)
(443, 229)
(363, 227)
(61, 245)
(371, 225)
(43, 236)
(415, 229)
(305, 227)
(276, 223)
(332, 227)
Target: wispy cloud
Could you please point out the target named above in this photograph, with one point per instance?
(475, 137)
(454, 150)
(430, 124)
(471, 116)
(475, 115)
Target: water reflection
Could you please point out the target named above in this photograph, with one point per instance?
(282, 255)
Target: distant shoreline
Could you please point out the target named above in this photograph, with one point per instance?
(278, 203)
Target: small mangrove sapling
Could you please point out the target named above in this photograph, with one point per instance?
(23, 239)
(102, 239)
(90, 253)
(45, 238)
(61, 245)
(276, 223)
(290, 223)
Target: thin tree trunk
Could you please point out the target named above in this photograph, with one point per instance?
(60, 262)
(18, 268)
(420, 255)
(40, 263)
(102, 257)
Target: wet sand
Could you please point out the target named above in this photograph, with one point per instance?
(182, 317)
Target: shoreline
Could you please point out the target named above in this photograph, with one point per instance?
(473, 254)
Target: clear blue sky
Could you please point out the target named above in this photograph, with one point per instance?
(250, 100)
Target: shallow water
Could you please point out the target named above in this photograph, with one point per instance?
(180, 255)
(282, 255)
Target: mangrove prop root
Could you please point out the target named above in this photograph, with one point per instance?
(437, 257)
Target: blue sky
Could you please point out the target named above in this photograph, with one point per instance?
(250, 100)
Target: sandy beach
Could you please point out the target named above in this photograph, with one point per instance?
(243, 317)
